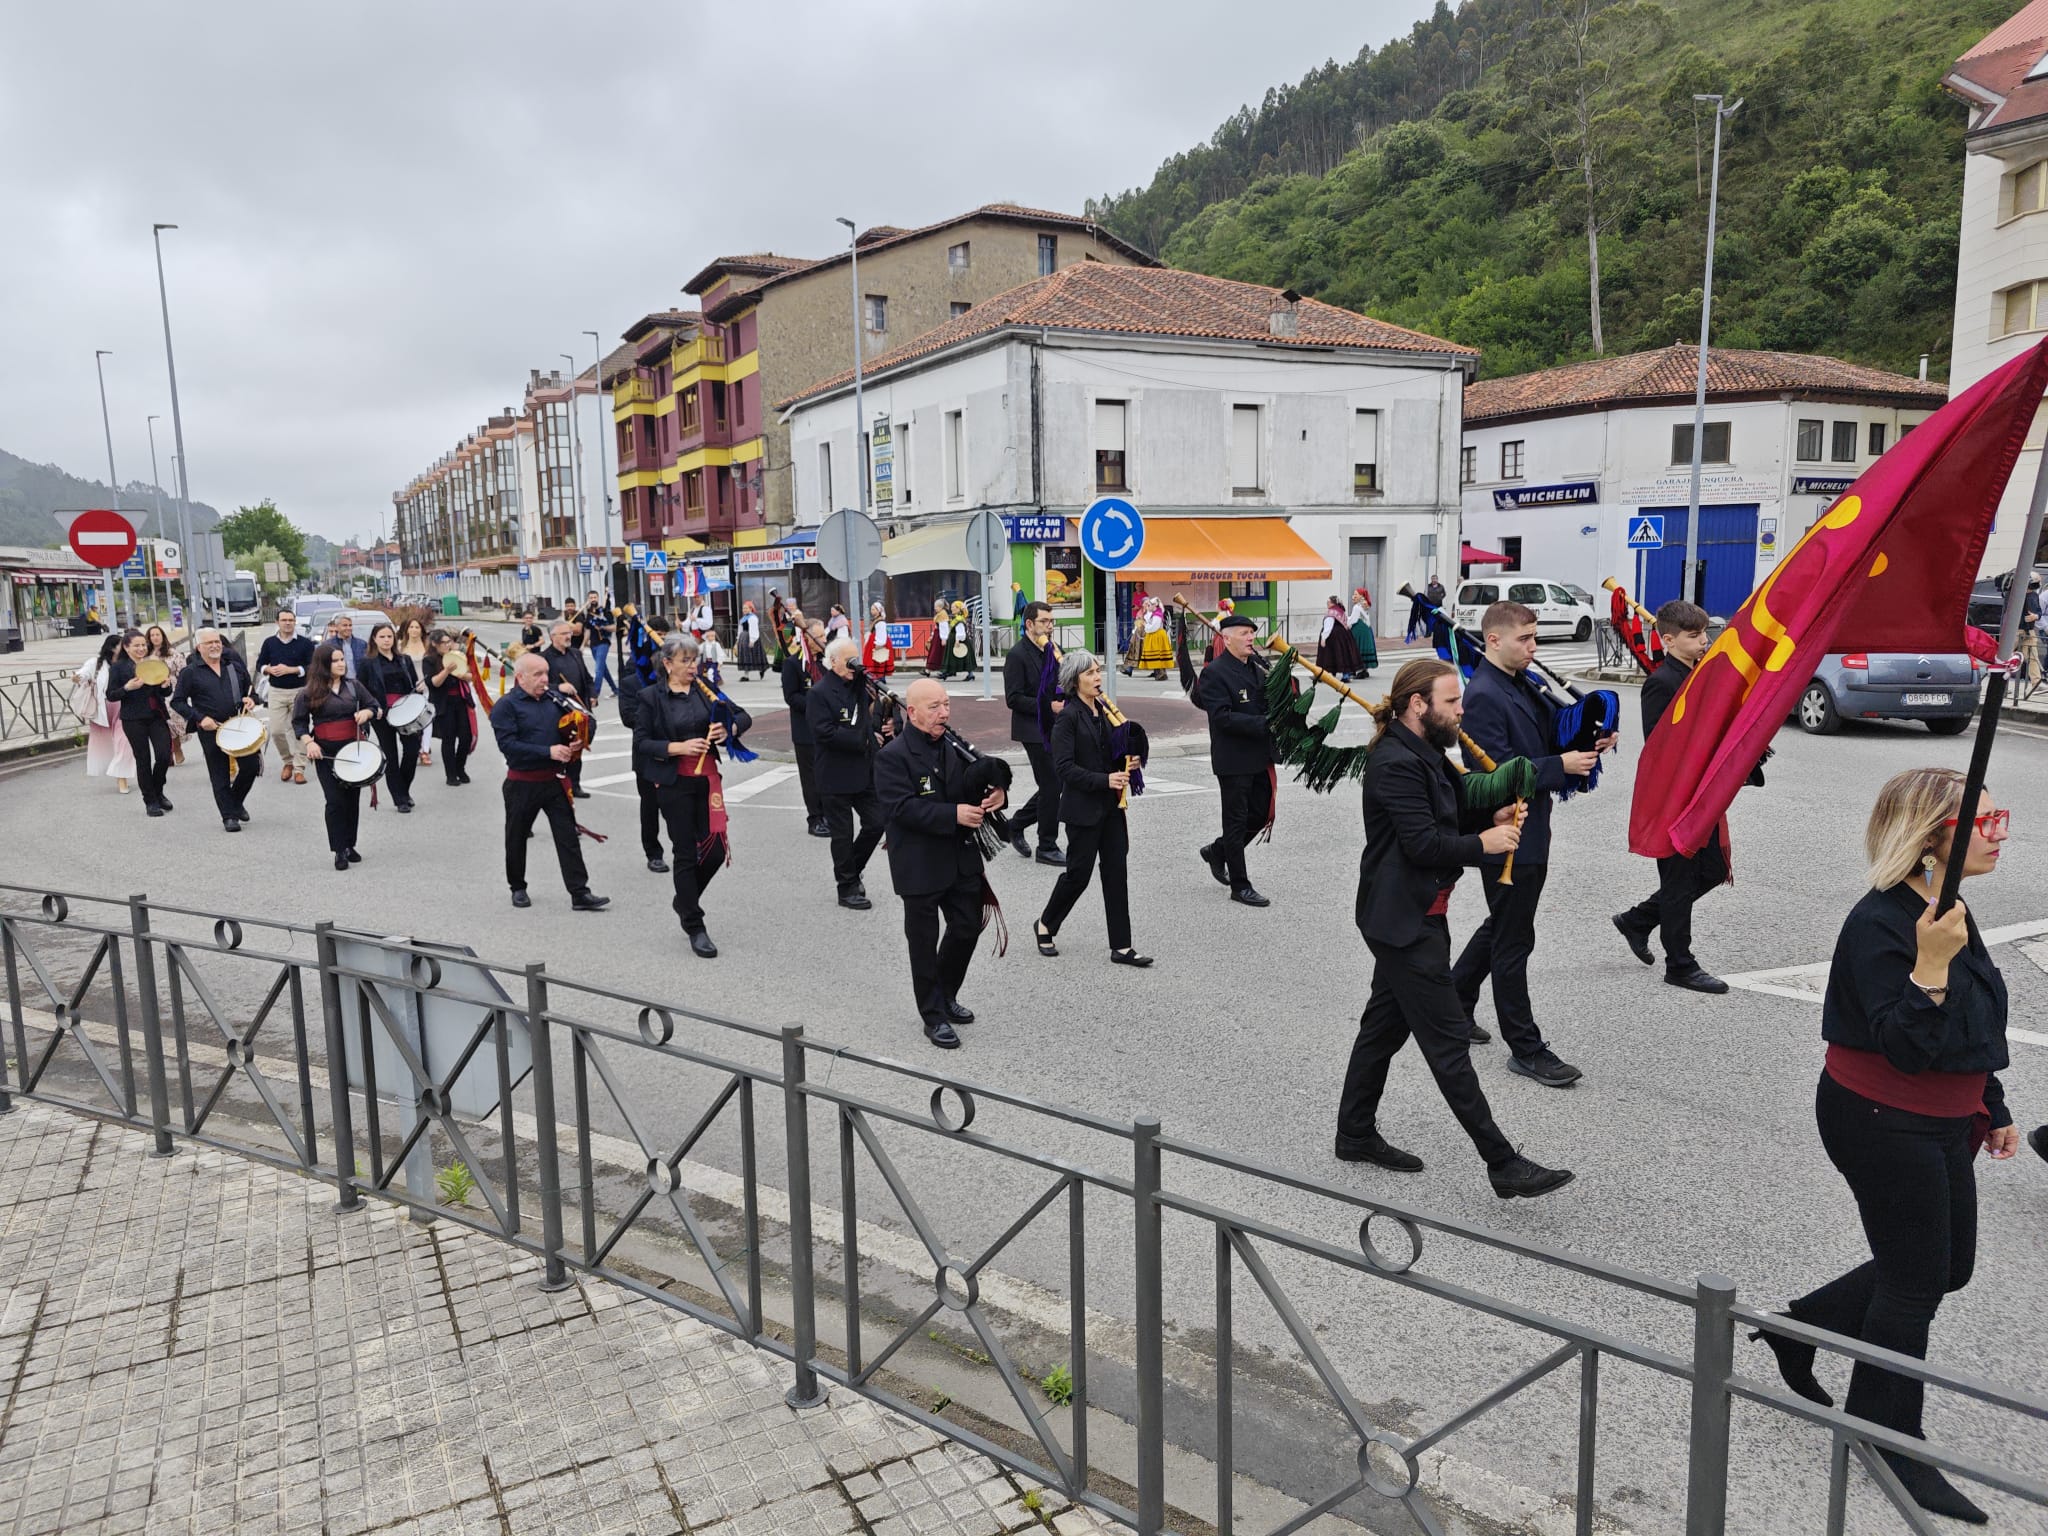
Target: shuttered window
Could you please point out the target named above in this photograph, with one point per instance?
(1109, 446)
(1244, 448)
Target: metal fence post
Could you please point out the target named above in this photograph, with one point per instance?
(152, 1026)
(547, 1153)
(808, 1392)
(337, 1071)
(1713, 1365)
(1151, 1309)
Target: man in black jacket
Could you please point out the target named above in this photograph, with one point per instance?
(569, 674)
(627, 691)
(796, 693)
(934, 860)
(1022, 670)
(1509, 716)
(1681, 881)
(846, 736)
(213, 688)
(1418, 840)
(1232, 690)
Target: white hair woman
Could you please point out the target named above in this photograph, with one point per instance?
(1914, 1021)
(1093, 757)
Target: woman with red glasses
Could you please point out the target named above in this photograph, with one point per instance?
(1914, 1021)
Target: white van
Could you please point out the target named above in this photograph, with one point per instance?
(1563, 612)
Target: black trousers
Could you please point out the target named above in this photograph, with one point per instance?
(686, 807)
(807, 779)
(232, 776)
(1915, 1190)
(938, 964)
(401, 761)
(454, 752)
(1681, 881)
(1412, 995)
(150, 740)
(1501, 948)
(1044, 805)
(344, 806)
(850, 854)
(1111, 839)
(1247, 802)
(524, 802)
(650, 818)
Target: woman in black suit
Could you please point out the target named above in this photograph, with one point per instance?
(454, 706)
(329, 713)
(675, 745)
(145, 717)
(388, 675)
(1093, 785)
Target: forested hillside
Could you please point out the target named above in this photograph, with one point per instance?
(32, 494)
(1447, 180)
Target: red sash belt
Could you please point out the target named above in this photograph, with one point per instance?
(532, 775)
(336, 732)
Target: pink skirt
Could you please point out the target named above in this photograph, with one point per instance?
(107, 752)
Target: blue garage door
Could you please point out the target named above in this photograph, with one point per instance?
(1727, 546)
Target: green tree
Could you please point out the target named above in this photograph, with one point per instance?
(260, 557)
(247, 528)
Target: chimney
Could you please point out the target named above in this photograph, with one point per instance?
(1923, 367)
(1284, 319)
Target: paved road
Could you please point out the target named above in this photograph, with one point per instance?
(1692, 1133)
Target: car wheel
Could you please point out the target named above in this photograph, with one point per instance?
(1584, 631)
(1951, 725)
(1817, 714)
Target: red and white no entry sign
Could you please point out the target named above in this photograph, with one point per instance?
(102, 538)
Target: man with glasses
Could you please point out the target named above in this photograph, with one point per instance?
(283, 658)
(212, 689)
(1029, 674)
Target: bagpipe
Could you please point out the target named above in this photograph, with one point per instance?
(985, 772)
(1584, 718)
(1636, 625)
(1128, 743)
(579, 728)
(645, 652)
(1183, 662)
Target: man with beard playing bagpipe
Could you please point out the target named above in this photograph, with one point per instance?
(1031, 689)
(847, 736)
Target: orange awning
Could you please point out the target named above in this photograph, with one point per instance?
(1223, 549)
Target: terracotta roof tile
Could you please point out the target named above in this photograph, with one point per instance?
(1668, 374)
(1152, 301)
(1998, 67)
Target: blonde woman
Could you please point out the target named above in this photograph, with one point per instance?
(1914, 1020)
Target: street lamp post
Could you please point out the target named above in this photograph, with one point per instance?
(1690, 587)
(604, 471)
(576, 459)
(197, 617)
(854, 612)
(157, 488)
(114, 490)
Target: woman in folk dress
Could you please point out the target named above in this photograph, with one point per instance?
(942, 633)
(876, 653)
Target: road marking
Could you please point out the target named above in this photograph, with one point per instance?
(735, 794)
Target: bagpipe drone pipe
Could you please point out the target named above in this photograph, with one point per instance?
(1636, 625)
(645, 651)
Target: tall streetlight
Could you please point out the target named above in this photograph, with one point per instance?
(1689, 588)
(576, 457)
(197, 617)
(860, 419)
(113, 489)
(604, 471)
(157, 490)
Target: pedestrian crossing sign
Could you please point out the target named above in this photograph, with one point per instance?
(657, 562)
(1646, 531)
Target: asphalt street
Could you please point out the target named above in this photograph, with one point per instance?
(1691, 1135)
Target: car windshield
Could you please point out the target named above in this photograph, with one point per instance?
(1579, 592)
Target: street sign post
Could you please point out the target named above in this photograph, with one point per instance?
(104, 540)
(850, 550)
(988, 548)
(1112, 537)
(636, 555)
(1646, 531)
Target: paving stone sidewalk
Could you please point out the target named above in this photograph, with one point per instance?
(199, 1344)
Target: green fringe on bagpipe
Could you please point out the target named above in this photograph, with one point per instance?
(1514, 779)
(1304, 744)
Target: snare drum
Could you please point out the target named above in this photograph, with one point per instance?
(240, 736)
(410, 715)
(358, 763)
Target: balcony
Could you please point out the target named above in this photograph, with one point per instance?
(630, 391)
(704, 350)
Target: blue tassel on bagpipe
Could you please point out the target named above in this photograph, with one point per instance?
(1582, 722)
(1048, 690)
(726, 713)
(641, 647)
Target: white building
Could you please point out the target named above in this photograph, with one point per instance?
(1561, 465)
(1280, 449)
(2002, 260)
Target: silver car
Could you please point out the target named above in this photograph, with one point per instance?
(1890, 685)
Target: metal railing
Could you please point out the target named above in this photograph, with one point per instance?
(36, 706)
(311, 1049)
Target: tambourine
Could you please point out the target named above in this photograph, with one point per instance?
(153, 671)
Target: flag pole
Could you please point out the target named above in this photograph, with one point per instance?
(1994, 691)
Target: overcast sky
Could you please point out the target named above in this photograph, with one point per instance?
(390, 211)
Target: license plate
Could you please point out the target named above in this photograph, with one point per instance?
(1926, 698)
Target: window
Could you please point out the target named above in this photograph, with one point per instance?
(1048, 255)
(2029, 190)
(955, 448)
(739, 403)
(1468, 465)
(878, 314)
(1713, 451)
(626, 438)
(1808, 451)
(1842, 449)
(1560, 595)
(956, 257)
(1511, 546)
(825, 478)
(1473, 594)
(1109, 446)
(1365, 452)
(689, 409)
(1528, 593)
(959, 308)
(1511, 460)
(1876, 438)
(2023, 311)
(1244, 448)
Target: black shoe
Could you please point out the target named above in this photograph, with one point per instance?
(1696, 980)
(521, 899)
(1375, 1149)
(404, 807)
(941, 1034)
(1638, 943)
(1546, 1069)
(1244, 895)
(585, 794)
(1932, 1491)
(153, 810)
(1795, 1364)
(1214, 860)
(1520, 1178)
(1128, 957)
(2038, 1140)
(583, 901)
(352, 856)
(702, 947)
(1043, 937)
(820, 828)
(452, 782)
(1052, 856)
(1019, 842)
(341, 861)
(658, 865)
(1475, 1035)
(463, 780)
(164, 805)
(229, 824)
(242, 814)
(854, 899)
(955, 1014)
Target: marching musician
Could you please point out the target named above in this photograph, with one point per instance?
(1232, 691)
(212, 689)
(331, 711)
(1681, 880)
(569, 675)
(675, 746)
(1030, 669)
(629, 689)
(527, 723)
(388, 675)
(1095, 784)
(934, 860)
(846, 736)
(1418, 841)
(598, 620)
(454, 705)
(800, 670)
(1509, 716)
(529, 631)
(145, 718)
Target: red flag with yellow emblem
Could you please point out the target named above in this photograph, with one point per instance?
(1888, 567)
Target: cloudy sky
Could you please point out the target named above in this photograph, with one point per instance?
(388, 212)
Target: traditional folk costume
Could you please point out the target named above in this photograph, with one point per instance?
(1361, 632)
(942, 631)
(1336, 651)
(875, 652)
(1225, 609)
(960, 645)
(753, 656)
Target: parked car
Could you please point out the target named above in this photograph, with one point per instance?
(1987, 599)
(1562, 612)
(1903, 685)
